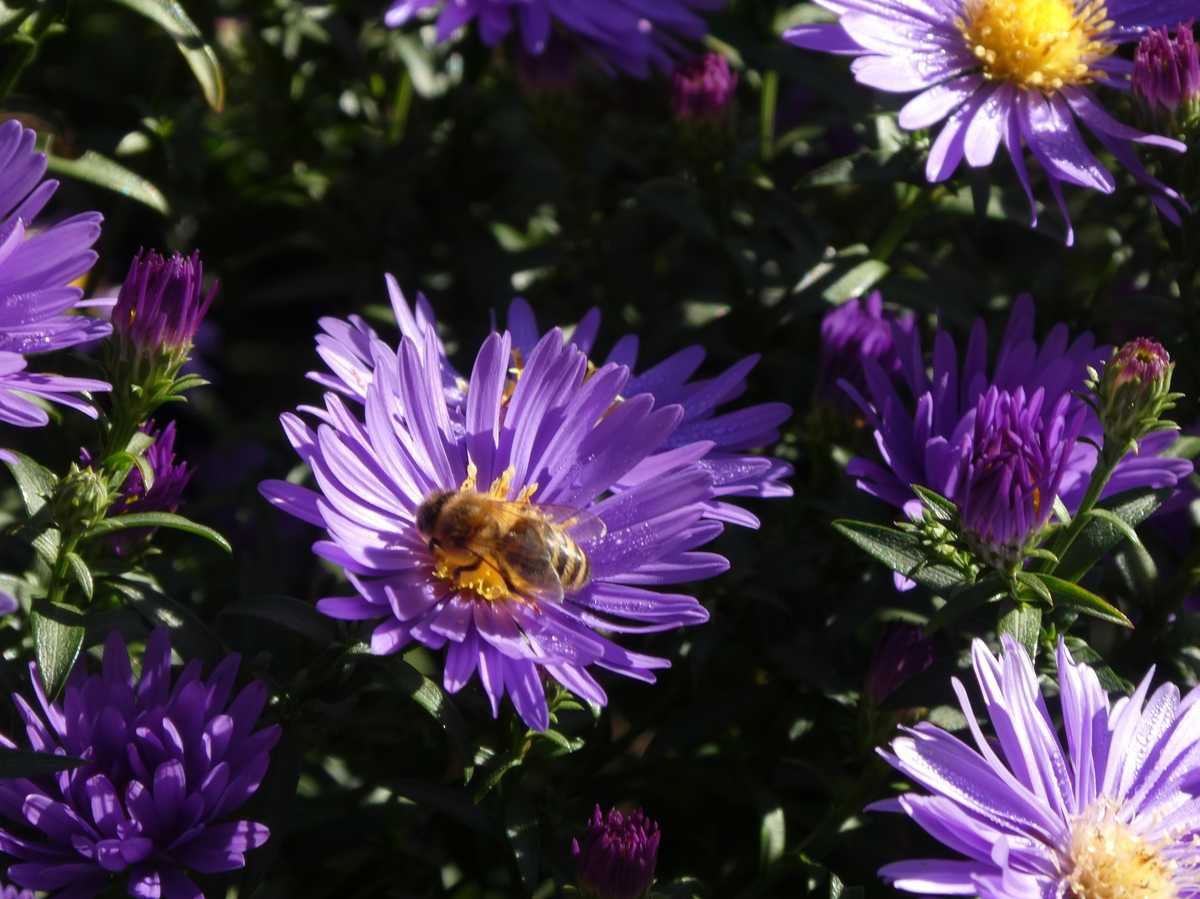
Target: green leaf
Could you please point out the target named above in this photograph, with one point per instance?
(171, 17)
(36, 482)
(1032, 584)
(96, 169)
(524, 838)
(429, 696)
(1023, 624)
(190, 636)
(966, 599)
(1109, 679)
(23, 763)
(1100, 536)
(156, 520)
(900, 551)
(943, 509)
(58, 632)
(83, 574)
(289, 613)
(1072, 596)
(857, 281)
(772, 836)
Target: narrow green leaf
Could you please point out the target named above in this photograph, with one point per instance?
(772, 836)
(429, 696)
(83, 574)
(157, 520)
(190, 635)
(1086, 602)
(942, 508)
(857, 281)
(1100, 536)
(58, 632)
(287, 612)
(1117, 522)
(170, 16)
(1040, 590)
(23, 763)
(36, 482)
(1023, 624)
(97, 169)
(899, 551)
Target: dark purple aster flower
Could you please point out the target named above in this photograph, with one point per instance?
(1113, 813)
(1166, 73)
(1017, 73)
(616, 858)
(166, 764)
(556, 434)
(170, 479)
(37, 300)
(702, 87)
(903, 651)
(854, 331)
(632, 35)
(345, 348)
(962, 420)
(162, 302)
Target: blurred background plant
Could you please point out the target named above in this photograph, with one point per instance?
(306, 149)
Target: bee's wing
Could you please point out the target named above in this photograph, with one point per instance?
(520, 546)
(583, 527)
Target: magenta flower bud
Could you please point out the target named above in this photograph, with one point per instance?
(702, 87)
(617, 856)
(903, 652)
(1142, 360)
(1166, 73)
(162, 302)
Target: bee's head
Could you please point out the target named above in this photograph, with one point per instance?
(429, 511)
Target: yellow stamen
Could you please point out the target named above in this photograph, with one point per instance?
(1040, 44)
(1109, 860)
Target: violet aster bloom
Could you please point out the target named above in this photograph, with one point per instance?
(1112, 813)
(11, 892)
(170, 479)
(167, 762)
(702, 87)
(1017, 73)
(553, 433)
(856, 330)
(162, 302)
(37, 301)
(1024, 414)
(632, 35)
(617, 856)
(1166, 73)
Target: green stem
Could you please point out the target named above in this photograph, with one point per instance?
(60, 581)
(1107, 464)
(401, 105)
(770, 95)
(35, 26)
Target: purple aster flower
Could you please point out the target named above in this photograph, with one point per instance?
(903, 652)
(345, 348)
(856, 330)
(1166, 73)
(1002, 444)
(702, 87)
(632, 35)
(166, 764)
(556, 435)
(1113, 813)
(1017, 73)
(37, 300)
(170, 479)
(617, 856)
(11, 892)
(162, 302)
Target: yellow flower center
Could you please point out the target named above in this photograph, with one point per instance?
(1043, 44)
(1110, 861)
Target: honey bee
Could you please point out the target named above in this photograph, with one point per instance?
(499, 547)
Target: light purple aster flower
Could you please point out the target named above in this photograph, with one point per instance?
(345, 348)
(632, 35)
(1017, 73)
(37, 300)
(856, 330)
(617, 856)
(561, 435)
(1001, 444)
(1112, 814)
(11, 892)
(702, 87)
(167, 761)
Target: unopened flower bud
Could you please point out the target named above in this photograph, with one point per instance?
(161, 303)
(1166, 72)
(81, 499)
(1133, 392)
(702, 88)
(617, 855)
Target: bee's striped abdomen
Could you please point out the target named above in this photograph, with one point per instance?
(569, 563)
